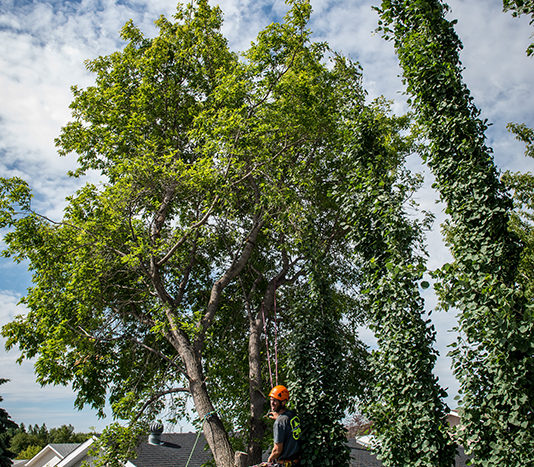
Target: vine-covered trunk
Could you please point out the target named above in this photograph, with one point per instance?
(405, 401)
(494, 355)
(319, 369)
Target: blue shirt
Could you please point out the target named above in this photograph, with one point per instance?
(286, 429)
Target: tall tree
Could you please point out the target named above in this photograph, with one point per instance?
(215, 172)
(493, 356)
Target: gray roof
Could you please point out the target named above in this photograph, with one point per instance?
(64, 449)
(360, 456)
(461, 458)
(177, 448)
(174, 452)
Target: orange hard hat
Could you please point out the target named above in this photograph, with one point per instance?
(279, 392)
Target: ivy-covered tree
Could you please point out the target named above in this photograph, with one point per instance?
(493, 357)
(215, 172)
(326, 367)
(6, 426)
(404, 400)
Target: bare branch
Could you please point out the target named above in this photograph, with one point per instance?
(235, 268)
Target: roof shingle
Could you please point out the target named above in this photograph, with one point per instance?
(174, 452)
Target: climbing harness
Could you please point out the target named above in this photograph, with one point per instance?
(209, 414)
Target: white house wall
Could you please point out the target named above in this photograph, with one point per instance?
(46, 458)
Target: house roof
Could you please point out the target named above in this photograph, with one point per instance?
(177, 447)
(360, 456)
(51, 454)
(60, 454)
(171, 456)
(174, 452)
(80, 453)
(63, 449)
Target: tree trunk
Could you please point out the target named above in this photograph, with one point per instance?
(214, 430)
(191, 353)
(257, 399)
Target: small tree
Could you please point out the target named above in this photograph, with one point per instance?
(31, 451)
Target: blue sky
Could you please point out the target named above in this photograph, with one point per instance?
(44, 45)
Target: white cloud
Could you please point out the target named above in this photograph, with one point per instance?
(498, 73)
(9, 308)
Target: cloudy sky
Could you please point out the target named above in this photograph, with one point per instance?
(44, 47)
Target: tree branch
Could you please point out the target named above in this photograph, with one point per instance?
(134, 341)
(218, 287)
(190, 229)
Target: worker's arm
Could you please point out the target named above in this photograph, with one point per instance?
(276, 452)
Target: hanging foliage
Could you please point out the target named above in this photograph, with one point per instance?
(518, 8)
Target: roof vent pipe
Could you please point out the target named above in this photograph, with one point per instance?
(156, 429)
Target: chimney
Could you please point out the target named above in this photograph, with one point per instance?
(154, 438)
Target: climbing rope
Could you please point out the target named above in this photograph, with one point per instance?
(267, 345)
(209, 414)
(275, 340)
(275, 343)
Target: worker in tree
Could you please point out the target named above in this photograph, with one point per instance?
(286, 430)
